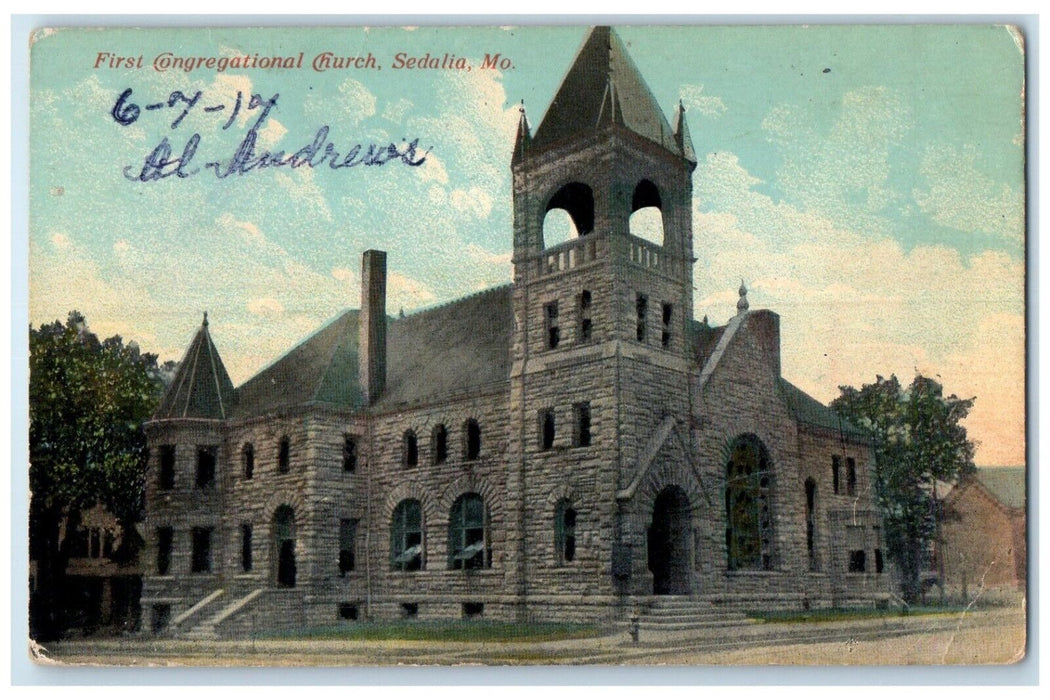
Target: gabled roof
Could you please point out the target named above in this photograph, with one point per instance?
(809, 411)
(201, 387)
(1006, 484)
(439, 353)
(603, 86)
(321, 369)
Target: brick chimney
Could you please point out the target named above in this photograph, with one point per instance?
(372, 325)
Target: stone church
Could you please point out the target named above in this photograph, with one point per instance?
(570, 446)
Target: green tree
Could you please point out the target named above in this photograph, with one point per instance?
(87, 402)
(918, 440)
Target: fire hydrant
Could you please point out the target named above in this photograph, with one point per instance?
(634, 628)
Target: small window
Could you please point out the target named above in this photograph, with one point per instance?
(546, 429)
(550, 312)
(165, 542)
(406, 536)
(246, 547)
(349, 453)
(410, 611)
(811, 523)
(167, 467)
(565, 532)
(201, 561)
(856, 561)
(347, 536)
(205, 467)
(836, 469)
(248, 460)
(878, 561)
(440, 439)
(585, 316)
(284, 450)
(473, 446)
(108, 542)
(642, 311)
(467, 541)
(473, 610)
(160, 614)
(96, 543)
(347, 611)
(851, 476)
(582, 429)
(410, 449)
(665, 337)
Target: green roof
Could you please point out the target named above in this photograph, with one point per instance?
(602, 87)
(809, 411)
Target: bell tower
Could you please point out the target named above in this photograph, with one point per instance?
(600, 351)
(605, 156)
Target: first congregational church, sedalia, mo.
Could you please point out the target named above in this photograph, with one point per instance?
(569, 446)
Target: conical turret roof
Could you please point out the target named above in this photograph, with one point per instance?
(201, 387)
(604, 86)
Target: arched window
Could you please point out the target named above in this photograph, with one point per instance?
(248, 460)
(409, 449)
(811, 523)
(467, 537)
(406, 536)
(565, 531)
(284, 455)
(749, 515)
(577, 201)
(440, 442)
(647, 220)
(472, 440)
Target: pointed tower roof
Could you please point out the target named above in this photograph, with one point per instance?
(523, 140)
(681, 134)
(201, 387)
(602, 86)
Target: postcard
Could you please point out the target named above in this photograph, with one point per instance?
(521, 345)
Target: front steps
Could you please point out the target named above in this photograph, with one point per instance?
(678, 613)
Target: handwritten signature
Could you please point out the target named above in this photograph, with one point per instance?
(160, 163)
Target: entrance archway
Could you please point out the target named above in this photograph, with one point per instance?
(284, 545)
(670, 537)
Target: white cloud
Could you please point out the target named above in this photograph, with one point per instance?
(266, 307)
(693, 99)
(475, 201)
(959, 196)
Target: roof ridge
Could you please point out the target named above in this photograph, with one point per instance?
(450, 302)
(303, 341)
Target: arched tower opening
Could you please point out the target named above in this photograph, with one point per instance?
(569, 213)
(647, 218)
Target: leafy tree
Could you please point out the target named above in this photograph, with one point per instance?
(918, 441)
(87, 402)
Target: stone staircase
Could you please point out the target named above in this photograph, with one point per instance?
(676, 613)
(249, 613)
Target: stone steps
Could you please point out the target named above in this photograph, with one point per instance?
(677, 613)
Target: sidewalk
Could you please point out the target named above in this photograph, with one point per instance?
(808, 643)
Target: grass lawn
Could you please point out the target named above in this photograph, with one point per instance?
(839, 614)
(448, 631)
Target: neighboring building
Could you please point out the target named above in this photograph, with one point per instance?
(563, 447)
(99, 589)
(983, 547)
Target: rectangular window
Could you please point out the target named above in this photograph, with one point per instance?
(473, 610)
(246, 547)
(582, 430)
(96, 543)
(347, 535)
(410, 611)
(665, 336)
(160, 613)
(851, 476)
(550, 313)
(836, 467)
(165, 541)
(856, 561)
(349, 453)
(284, 455)
(347, 611)
(585, 316)
(546, 429)
(878, 561)
(642, 309)
(167, 467)
(201, 561)
(205, 467)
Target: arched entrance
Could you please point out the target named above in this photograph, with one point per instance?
(284, 545)
(670, 536)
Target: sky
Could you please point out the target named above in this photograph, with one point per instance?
(866, 182)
